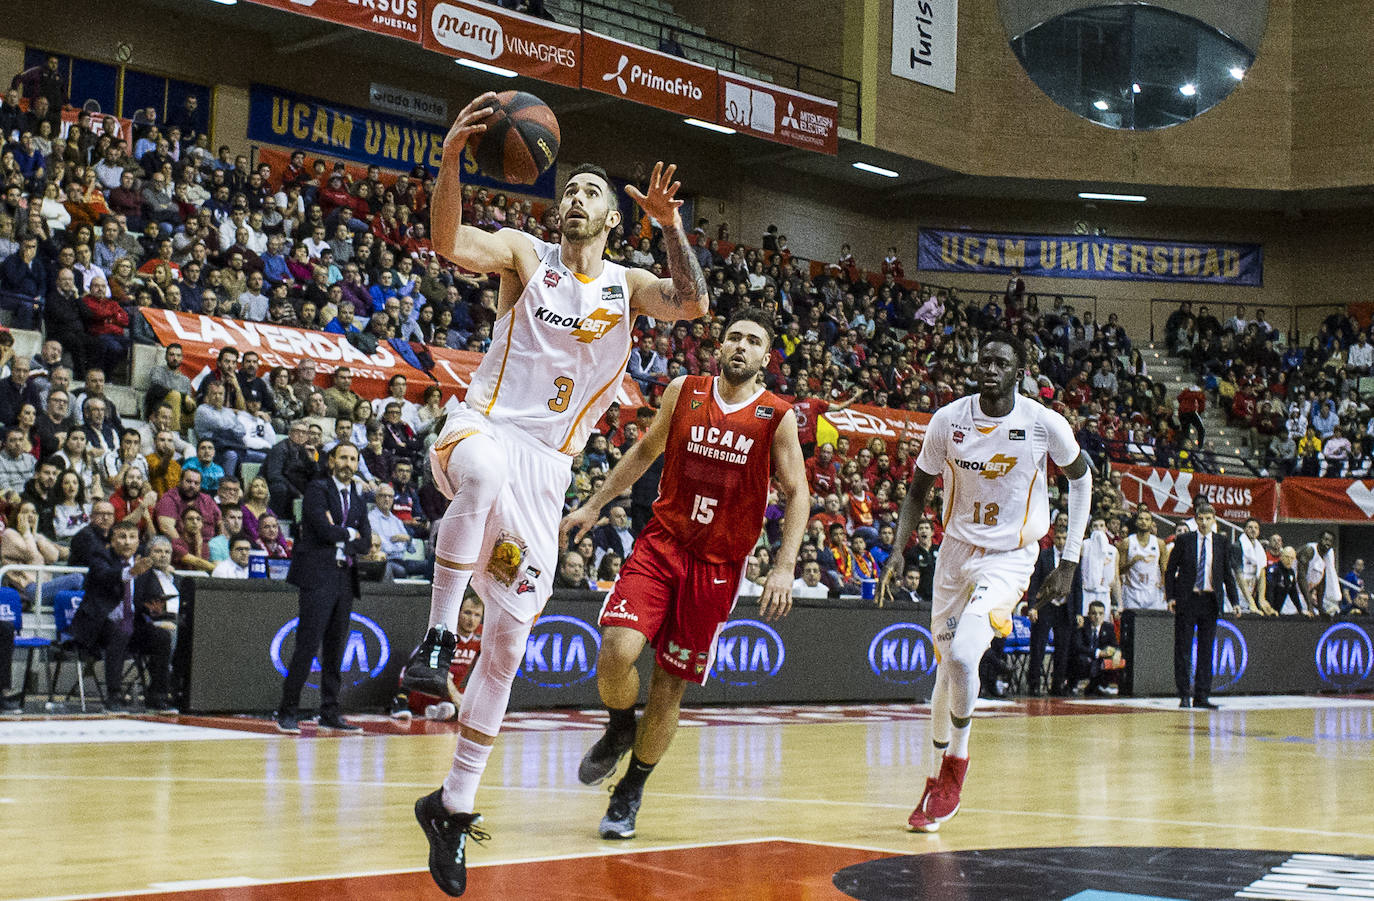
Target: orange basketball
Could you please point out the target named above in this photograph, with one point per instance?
(521, 140)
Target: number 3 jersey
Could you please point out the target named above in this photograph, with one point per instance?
(994, 469)
(557, 357)
(716, 468)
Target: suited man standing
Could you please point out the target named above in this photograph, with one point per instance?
(334, 532)
(1197, 582)
(1059, 615)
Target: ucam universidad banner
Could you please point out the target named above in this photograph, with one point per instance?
(281, 117)
(1087, 256)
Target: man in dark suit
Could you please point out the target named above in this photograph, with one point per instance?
(94, 536)
(1197, 582)
(1058, 615)
(615, 535)
(333, 533)
(290, 466)
(1093, 644)
(107, 620)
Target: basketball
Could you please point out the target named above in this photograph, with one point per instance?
(521, 140)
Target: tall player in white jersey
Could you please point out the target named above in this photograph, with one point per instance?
(1142, 567)
(558, 353)
(991, 449)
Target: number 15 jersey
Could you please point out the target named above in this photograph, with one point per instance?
(716, 467)
(994, 467)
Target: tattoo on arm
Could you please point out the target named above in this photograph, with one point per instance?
(689, 282)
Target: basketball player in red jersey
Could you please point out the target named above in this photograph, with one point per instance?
(724, 439)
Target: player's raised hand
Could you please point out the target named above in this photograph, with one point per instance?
(776, 601)
(660, 201)
(891, 572)
(466, 125)
(579, 521)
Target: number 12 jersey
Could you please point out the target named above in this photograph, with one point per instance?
(995, 494)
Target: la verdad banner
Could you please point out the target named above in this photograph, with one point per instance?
(861, 423)
(1171, 492)
(202, 337)
(1087, 256)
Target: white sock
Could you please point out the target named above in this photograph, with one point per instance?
(958, 746)
(446, 597)
(460, 786)
(939, 721)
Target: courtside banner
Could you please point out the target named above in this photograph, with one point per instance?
(393, 18)
(201, 338)
(1171, 493)
(1327, 500)
(862, 423)
(1079, 256)
(486, 33)
(646, 76)
(778, 114)
(281, 117)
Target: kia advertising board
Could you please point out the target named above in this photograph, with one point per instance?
(484, 32)
(1253, 655)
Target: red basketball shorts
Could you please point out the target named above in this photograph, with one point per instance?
(677, 601)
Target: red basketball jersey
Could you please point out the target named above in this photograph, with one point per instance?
(716, 469)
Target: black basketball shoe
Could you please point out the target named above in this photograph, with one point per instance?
(427, 669)
(619, 822)
(601, 758)
(448, 840)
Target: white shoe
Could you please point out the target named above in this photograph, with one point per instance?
(442, 711)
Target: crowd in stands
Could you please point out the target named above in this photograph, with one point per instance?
(1305, 406)
(97, 226)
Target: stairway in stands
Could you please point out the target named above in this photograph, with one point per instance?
(1174, 374)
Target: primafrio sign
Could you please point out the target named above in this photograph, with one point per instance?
(647, 76)
(925, 41)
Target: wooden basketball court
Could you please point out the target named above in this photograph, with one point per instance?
(761, 803)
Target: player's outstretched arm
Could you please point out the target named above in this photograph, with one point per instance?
(907, 518)
(790, 468)
(1058, 583)
(627, 471)
(684, 294)
(471, 248)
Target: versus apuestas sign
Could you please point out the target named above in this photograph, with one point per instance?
(394, 18)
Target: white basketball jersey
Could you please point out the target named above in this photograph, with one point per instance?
(557, 357)
(994, 468)
(1142, 575)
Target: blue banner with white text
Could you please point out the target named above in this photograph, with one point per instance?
(287, 119)
(1093, 257)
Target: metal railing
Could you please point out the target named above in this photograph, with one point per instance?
(632, 25)
(45, 625)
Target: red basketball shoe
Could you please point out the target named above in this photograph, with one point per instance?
(918, 821)
(942, 802)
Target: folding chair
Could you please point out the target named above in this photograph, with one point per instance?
(64, 607)
(1017, 648)
(12, 609)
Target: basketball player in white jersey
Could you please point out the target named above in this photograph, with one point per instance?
(1250, 573)
(991, 449)
(558, 353)
(1320, 581)
(1142, 567)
